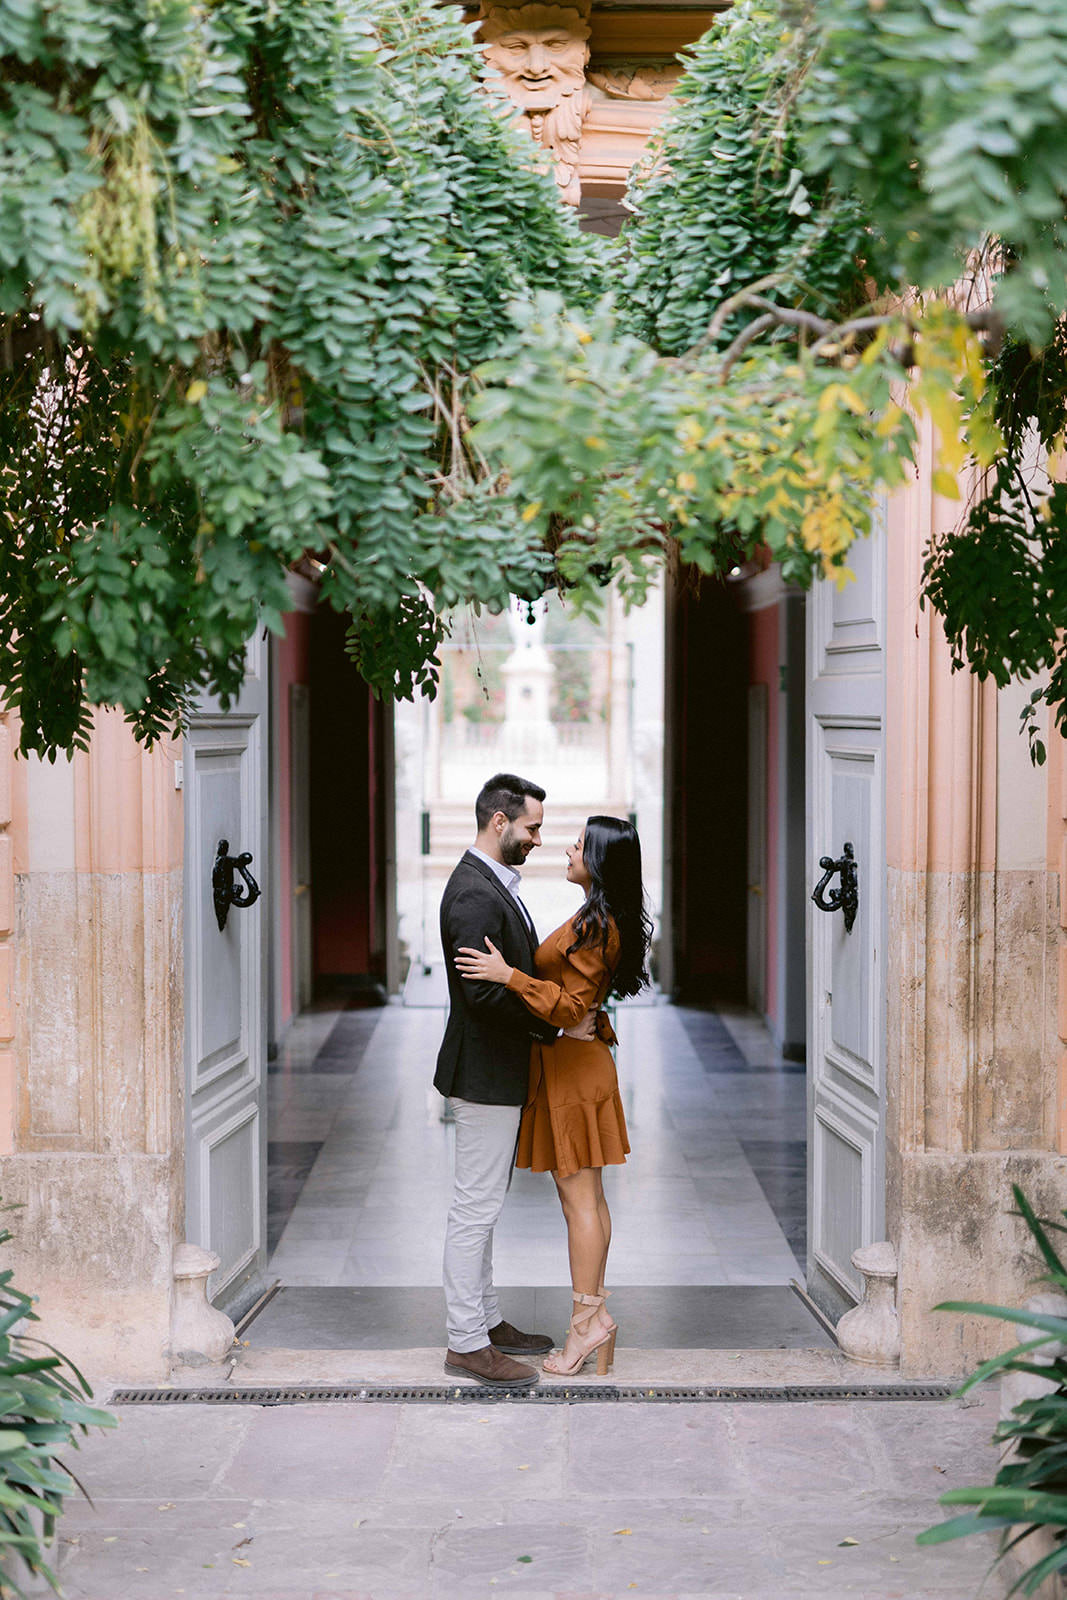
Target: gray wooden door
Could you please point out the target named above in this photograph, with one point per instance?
(846, 970)
(225, 1000)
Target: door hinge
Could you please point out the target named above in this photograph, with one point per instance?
(179, 774)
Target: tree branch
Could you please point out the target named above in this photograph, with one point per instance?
(988, 320)
(758, 326)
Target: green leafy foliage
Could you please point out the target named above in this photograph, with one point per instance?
(42, 1400)
(999, 582)
(252, 254)
(707, 458)
(248, 255)
(823, 153)
(1030, 1489)
(949, 119)
(723, 200)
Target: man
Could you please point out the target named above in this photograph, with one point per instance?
(483, 1069)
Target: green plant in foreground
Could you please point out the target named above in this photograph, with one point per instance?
(1030, 1490)
(43, 1409)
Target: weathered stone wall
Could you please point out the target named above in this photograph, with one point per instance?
(975, 942)
(93, 1137)
(7, 947)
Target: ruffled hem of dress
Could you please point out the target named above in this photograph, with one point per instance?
(581, 1134)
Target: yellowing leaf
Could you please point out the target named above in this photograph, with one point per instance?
(196, 391)
(622, 1530)
(531, 510)
(946, 484)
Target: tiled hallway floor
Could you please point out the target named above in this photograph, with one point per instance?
(361, 1160)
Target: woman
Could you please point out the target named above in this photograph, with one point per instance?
(573, 1123)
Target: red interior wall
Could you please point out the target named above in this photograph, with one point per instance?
(293, 665)
(763, 659)
(342, 810)
(708, 793)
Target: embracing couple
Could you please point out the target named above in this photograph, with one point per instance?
(527, 1066)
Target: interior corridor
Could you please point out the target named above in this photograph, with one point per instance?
(711, 1198)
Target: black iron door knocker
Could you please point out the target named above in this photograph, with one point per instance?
(846, 898)
(224, 891)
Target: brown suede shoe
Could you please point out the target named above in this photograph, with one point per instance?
(513, 1342)
(491, 1366)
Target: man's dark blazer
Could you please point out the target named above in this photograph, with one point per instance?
(485, 1053)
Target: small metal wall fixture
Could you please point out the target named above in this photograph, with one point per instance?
(224, 890)
(845, 899)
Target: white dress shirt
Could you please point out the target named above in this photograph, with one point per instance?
(508, 877)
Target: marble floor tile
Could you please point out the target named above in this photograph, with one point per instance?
(689, 1206)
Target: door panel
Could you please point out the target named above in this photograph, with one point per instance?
(852, 1045)
(215, 776)
(846, 970)
(225, 797)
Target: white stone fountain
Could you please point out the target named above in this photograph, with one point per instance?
(528, 734)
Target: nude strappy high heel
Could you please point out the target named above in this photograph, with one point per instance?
(605, 1294)
(613, 1329)
(603, 1346)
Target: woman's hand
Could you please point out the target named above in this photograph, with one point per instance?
(475, 964)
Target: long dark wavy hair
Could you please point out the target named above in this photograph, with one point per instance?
(612, 857)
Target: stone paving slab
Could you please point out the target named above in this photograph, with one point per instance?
(425, 1365)
(583, 1502)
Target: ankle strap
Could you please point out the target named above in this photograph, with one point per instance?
(587, 1299)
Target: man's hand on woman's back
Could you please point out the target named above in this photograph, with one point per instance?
(584, 1028)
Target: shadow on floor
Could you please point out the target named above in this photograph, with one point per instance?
(723, 1317)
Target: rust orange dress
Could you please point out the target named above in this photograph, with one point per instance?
(573, 1117)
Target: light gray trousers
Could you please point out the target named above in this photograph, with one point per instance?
(485, 1151)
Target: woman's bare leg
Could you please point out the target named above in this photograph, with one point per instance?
(585, 1234)
(603, 1316)
(580, 1195)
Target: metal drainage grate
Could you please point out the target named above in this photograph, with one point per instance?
(434, 1394)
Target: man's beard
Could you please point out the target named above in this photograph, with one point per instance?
(512, 851)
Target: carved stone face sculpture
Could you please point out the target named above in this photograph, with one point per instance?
(540, 52)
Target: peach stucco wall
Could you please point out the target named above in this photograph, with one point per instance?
(7, 951)
(116, 808)
(91, 1053)
(975, 1050)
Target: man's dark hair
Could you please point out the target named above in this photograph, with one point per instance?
(507, 793)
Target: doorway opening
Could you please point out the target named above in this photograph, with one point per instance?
(684, 717)
(572, 702)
